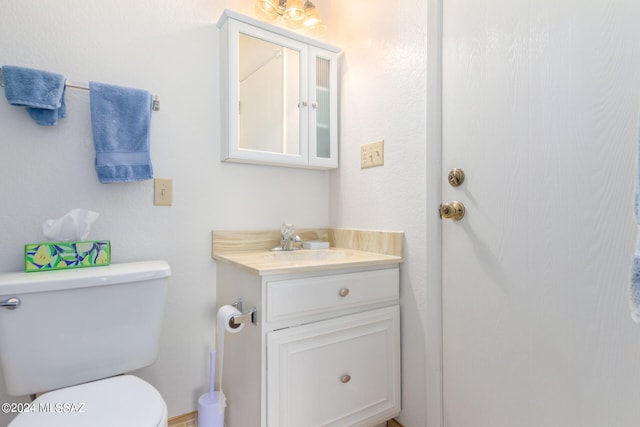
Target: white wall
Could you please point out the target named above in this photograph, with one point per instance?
(169, 48)
(384, 96)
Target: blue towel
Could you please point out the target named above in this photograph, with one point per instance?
(121, 119)
(634, 289)
(40, 92)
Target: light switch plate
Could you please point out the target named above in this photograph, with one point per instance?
(372, 155)
(162, 192)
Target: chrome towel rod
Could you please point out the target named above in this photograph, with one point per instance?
(155, 105)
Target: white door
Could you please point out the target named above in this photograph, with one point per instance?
(540, 109)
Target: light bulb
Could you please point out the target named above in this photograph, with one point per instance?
(266, 10)
(313, 23)
(294, 15)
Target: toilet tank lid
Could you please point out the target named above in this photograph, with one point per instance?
(22, 283)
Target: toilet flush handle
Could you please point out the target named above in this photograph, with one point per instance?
(11, 303)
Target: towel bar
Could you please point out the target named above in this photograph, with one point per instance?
(155, 105)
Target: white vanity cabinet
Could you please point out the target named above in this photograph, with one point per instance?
(279, 96)
(325, 350)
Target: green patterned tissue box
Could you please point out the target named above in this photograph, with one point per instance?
(65, 255)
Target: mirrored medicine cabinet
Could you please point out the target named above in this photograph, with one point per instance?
(279, 93)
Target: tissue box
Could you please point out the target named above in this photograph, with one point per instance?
(65, 255)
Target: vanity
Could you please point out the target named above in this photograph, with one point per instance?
(325, 346)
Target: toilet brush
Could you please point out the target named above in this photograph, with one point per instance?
(210, 409)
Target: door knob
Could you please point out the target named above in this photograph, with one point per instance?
(456, 177)
(453, 210)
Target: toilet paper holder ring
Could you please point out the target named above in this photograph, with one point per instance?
(243, 317)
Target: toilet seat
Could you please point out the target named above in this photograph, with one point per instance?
(123, 401)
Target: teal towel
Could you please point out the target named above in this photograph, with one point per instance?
(121, 121)
(40, 92)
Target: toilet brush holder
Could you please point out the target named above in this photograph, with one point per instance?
(210, 405)
(210, 414)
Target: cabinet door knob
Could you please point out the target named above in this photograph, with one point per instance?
(344, 292)
(345, 378)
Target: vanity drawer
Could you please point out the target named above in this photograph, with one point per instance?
(294, 301)
(338, 372)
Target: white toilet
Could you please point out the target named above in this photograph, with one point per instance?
(72, 335)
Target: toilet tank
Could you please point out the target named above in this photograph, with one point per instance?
(80, 325)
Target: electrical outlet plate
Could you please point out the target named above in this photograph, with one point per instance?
(162, 192)
(372, 155)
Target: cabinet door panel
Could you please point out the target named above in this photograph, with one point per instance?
(339, 372)
(266, 84)
(323, 116)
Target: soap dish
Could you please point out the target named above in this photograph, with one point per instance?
(315, 245)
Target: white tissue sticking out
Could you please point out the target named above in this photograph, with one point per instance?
(74, 225)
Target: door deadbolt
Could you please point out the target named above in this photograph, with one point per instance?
(456, 177)
(453, 210)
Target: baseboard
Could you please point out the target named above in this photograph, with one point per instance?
(191, 420)
(184, 420)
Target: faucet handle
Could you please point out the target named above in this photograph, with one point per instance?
(287, 231)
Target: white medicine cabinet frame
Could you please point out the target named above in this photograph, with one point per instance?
(279, 96)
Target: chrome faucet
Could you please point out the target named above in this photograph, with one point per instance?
(288, 239)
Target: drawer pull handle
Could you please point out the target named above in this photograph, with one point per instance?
(344, 292)
(345, 379)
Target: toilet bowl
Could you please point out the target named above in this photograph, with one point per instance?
(73, 335)
(122, 401)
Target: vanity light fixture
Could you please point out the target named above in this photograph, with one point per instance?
(296, 14)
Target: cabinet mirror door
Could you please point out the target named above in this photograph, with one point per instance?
(269, 124)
